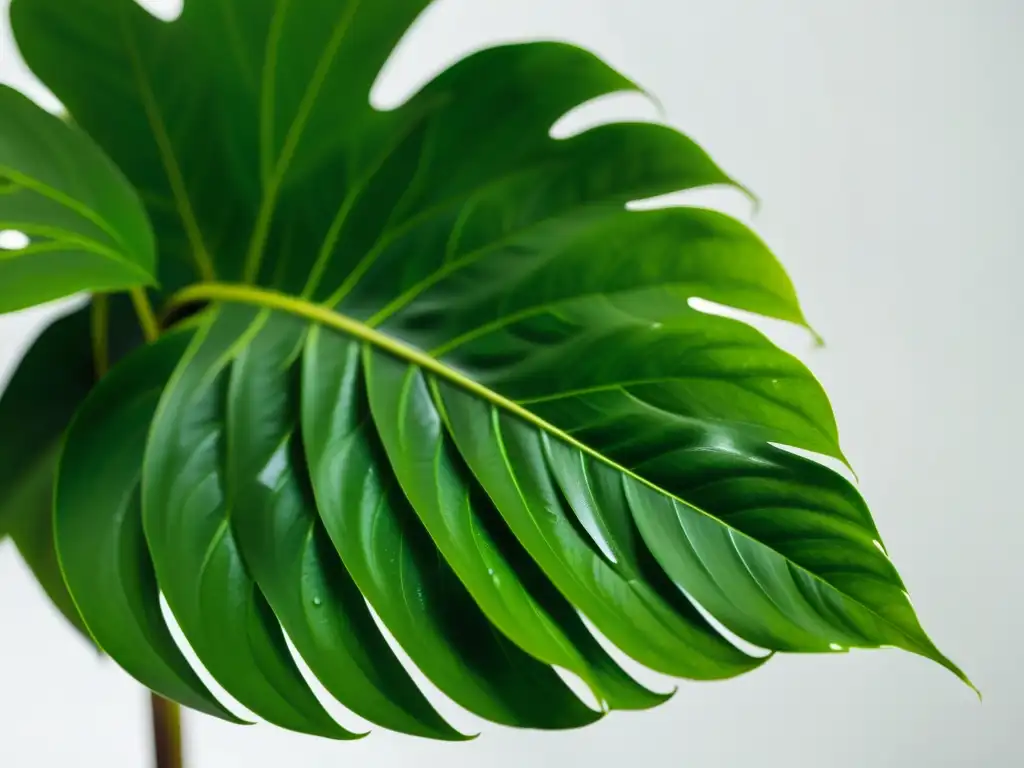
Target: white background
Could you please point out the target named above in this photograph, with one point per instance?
(884, 138)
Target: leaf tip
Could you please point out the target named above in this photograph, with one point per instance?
(656, 102)
(449, 733)
(962, 676)
(938, 657)
(755, 200)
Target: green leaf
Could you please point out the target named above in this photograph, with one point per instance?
(98, 526)
(287, 548)
(444, 368)
(398, 567)
(662, 424)
(188, 507)
(421, 452)
(87, 229)
(36, 406)
(249, 132)
(33, 536)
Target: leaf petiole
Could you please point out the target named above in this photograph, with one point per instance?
(147, 318)
(99, 325)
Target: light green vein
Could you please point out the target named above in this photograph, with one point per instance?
(228, 10)
(167, 155)
(268, 83)
(291, 143)
(34, 185)
(388, 237)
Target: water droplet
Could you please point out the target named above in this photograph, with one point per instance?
(317, 601)
(835, 646)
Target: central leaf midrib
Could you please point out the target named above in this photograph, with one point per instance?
(276, 301)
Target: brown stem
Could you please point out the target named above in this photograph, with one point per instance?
(166, 732)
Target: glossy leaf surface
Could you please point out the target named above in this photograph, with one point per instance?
(33, 536)
(188, 513)
(50, 383)
(287, 547)
(85, 226)
(36, 406)
(441, 367)
(98, 526)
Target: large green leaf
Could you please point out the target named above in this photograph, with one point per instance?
(32, 534)
(287, 546)
(36, 406)
(87, 229)
(188, 509)
(402, 574)
(445, 369)
(98, 526)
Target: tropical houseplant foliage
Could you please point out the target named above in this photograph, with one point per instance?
(423, 360)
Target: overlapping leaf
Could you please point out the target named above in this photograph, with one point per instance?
(36, 406)
(87, 229)
(98, 526)
(444, 370)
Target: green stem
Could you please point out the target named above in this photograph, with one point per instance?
(99, 326)
(167, 751)
(147, 318)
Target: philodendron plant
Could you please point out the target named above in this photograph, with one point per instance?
(422, 360)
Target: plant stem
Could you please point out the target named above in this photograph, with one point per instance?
(147, 319)
(167, 751)
(99, 326)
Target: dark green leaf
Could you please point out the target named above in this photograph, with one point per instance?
(821, 582)
(99, 526)
(468, 384)
(288, 551)
(509, 461)
(397, 566)
(33, 536)
(188, 505)
(87, 229)
(36, 406)
(463, 524)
